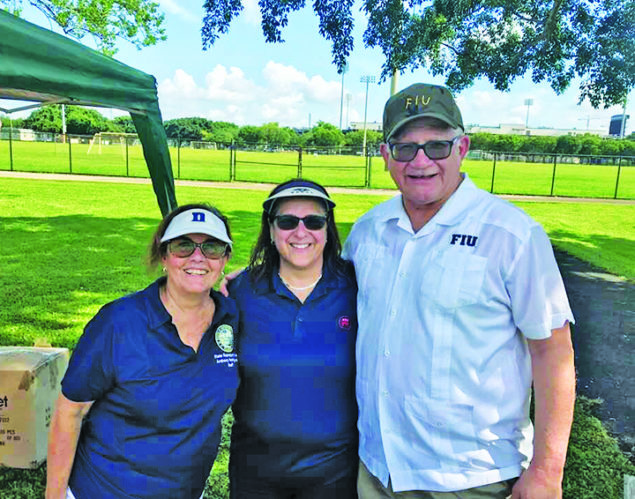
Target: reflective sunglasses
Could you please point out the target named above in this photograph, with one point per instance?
(290, 222)
(211, 249)
(433, 149)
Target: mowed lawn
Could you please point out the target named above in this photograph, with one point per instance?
(70, 247)
(593, 181)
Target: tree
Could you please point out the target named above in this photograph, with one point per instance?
(323, 134)
(500, 40)
(220, 131)
(356, 138)
(79, 120)
(124, 124)
(271, 133)
(249, 134)
(568, 144)
(137, 21)
(186, 128)
(45, 119)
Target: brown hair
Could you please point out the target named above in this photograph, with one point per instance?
(265, 257)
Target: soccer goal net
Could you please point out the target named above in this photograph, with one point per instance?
(111, 139)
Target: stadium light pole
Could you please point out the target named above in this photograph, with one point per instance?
(348, 105)
(528, 103)
(623, 126)
(344, 70)
(366, 79)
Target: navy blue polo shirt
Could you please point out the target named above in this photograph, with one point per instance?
(295, 411)
(154, 428)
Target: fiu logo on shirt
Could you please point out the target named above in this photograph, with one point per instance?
(463, 240)
(198, 216)
(225, 337)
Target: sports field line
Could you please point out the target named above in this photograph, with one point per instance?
(267, 187)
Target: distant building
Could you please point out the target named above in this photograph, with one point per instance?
(370, 125)
(615, 126)
(518, 129)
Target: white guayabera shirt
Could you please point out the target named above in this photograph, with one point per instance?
(443, 370)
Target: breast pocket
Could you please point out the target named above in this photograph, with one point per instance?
(454, 279)
(368, 266)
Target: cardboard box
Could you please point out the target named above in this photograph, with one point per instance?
(30, 380)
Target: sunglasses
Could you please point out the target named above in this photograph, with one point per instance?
(211, 249)
(433, 149)
(290, 222)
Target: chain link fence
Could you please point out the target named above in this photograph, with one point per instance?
(544, 174)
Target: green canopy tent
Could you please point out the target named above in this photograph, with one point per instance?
(39, 65)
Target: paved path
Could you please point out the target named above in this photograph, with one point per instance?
(604, 339)
(268, 187)
(604, 334)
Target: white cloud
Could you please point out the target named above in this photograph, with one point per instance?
(286, 95)
(282, 80)
(251, 12)
(173, 7)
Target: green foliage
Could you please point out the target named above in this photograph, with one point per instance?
(84, 121)
(79, 120)
(587, 144)
(137, 21)
(45, 119)
(186, 128)
(568, 144)
(356, 138)
(501, 40)
(323, 134)
(595, 465)
(8, 122)
(124, 124)
(271, 133)
(220, 131)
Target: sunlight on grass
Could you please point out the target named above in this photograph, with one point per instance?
(71, 247)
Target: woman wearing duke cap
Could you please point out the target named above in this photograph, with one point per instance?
(151, 377)
(295, 433)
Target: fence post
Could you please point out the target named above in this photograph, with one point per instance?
(232, 161)
(617, 180)
(369, 163)
(491, 189)
(70, 154)
(127, 163)
(553, 175)
(300, 162)
(10, 148)
(178, 157)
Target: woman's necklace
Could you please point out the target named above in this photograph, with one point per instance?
(299, 288)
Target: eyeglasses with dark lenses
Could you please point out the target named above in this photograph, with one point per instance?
(290, 222)
(434, 149)
(211, 249)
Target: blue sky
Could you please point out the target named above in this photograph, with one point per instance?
(244, 80)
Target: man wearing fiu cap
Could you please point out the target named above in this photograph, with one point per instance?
(460, 306)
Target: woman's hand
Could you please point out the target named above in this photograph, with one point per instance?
(222, 288)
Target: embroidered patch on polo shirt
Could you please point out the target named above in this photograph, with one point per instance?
(225, 338)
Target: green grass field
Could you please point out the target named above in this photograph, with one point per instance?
(70, 247)
(593, 181)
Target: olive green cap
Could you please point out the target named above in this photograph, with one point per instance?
(418, 101)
